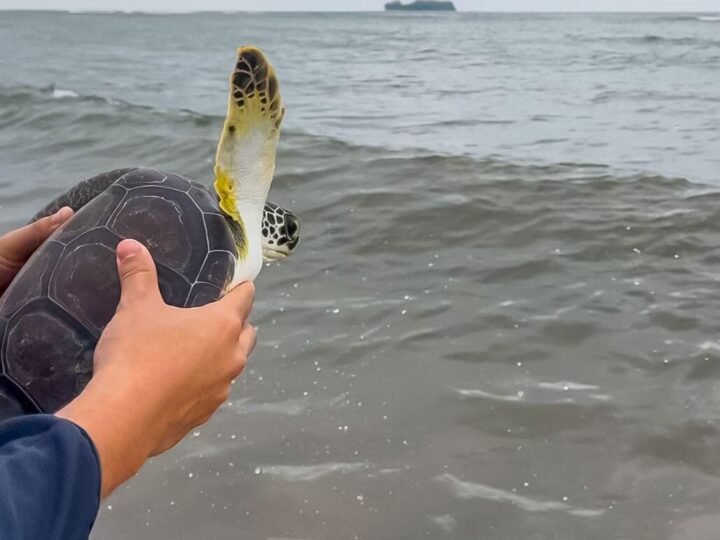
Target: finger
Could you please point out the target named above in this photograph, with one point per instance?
(138, 275)
(248, 339)
(239, 299)
(17, 246)
(246, 344)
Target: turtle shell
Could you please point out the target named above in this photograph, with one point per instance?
(52, 314)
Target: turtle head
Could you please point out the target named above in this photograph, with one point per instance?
(281, 232)
(245, 158)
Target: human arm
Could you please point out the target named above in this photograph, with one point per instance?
(49, 479)
(160, 371)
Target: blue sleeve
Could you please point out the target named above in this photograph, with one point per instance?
(49, 479)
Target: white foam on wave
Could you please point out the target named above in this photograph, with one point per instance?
(289, 407)
(470, 490)
(477, 393)
(709, 19)
(709, 346)
(700, 292)
(309, 473)
(555, 314)
(566, 385)
(529, 392)
(446, 522)
(508, 303)
(59, 93)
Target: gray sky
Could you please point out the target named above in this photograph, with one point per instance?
(362, 5)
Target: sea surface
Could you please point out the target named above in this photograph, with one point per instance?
(503, 319)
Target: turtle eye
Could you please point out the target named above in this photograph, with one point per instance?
(292, 226)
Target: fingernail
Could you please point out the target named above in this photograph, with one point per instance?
(127, 249)
(61, 216)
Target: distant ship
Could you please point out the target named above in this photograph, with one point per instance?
(420, 5)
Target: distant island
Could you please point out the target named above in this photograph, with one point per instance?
(420, 5)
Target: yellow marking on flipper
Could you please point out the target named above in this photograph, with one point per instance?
(224, 186)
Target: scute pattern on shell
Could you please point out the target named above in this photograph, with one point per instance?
(52, 314)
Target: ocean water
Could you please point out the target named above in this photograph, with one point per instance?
(503, 318)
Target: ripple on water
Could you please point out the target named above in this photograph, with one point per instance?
(309, 473)
(470, 490)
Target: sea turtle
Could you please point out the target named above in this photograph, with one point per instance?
(52, 314)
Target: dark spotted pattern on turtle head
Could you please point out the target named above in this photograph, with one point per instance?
(281, 232)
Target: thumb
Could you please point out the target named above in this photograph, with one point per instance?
(239, 299)
(138, 276)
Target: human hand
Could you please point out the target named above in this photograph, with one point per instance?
(160, 371)
(17, 246)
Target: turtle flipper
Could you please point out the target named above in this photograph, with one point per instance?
(84, 192)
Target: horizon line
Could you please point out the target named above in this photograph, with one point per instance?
(188, 12)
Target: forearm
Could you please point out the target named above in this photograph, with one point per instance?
(120, 423)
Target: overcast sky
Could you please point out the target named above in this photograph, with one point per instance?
(361, 5)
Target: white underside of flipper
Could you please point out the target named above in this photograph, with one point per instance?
(247, 269)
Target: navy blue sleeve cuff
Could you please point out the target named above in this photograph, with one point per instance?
(49, 479)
